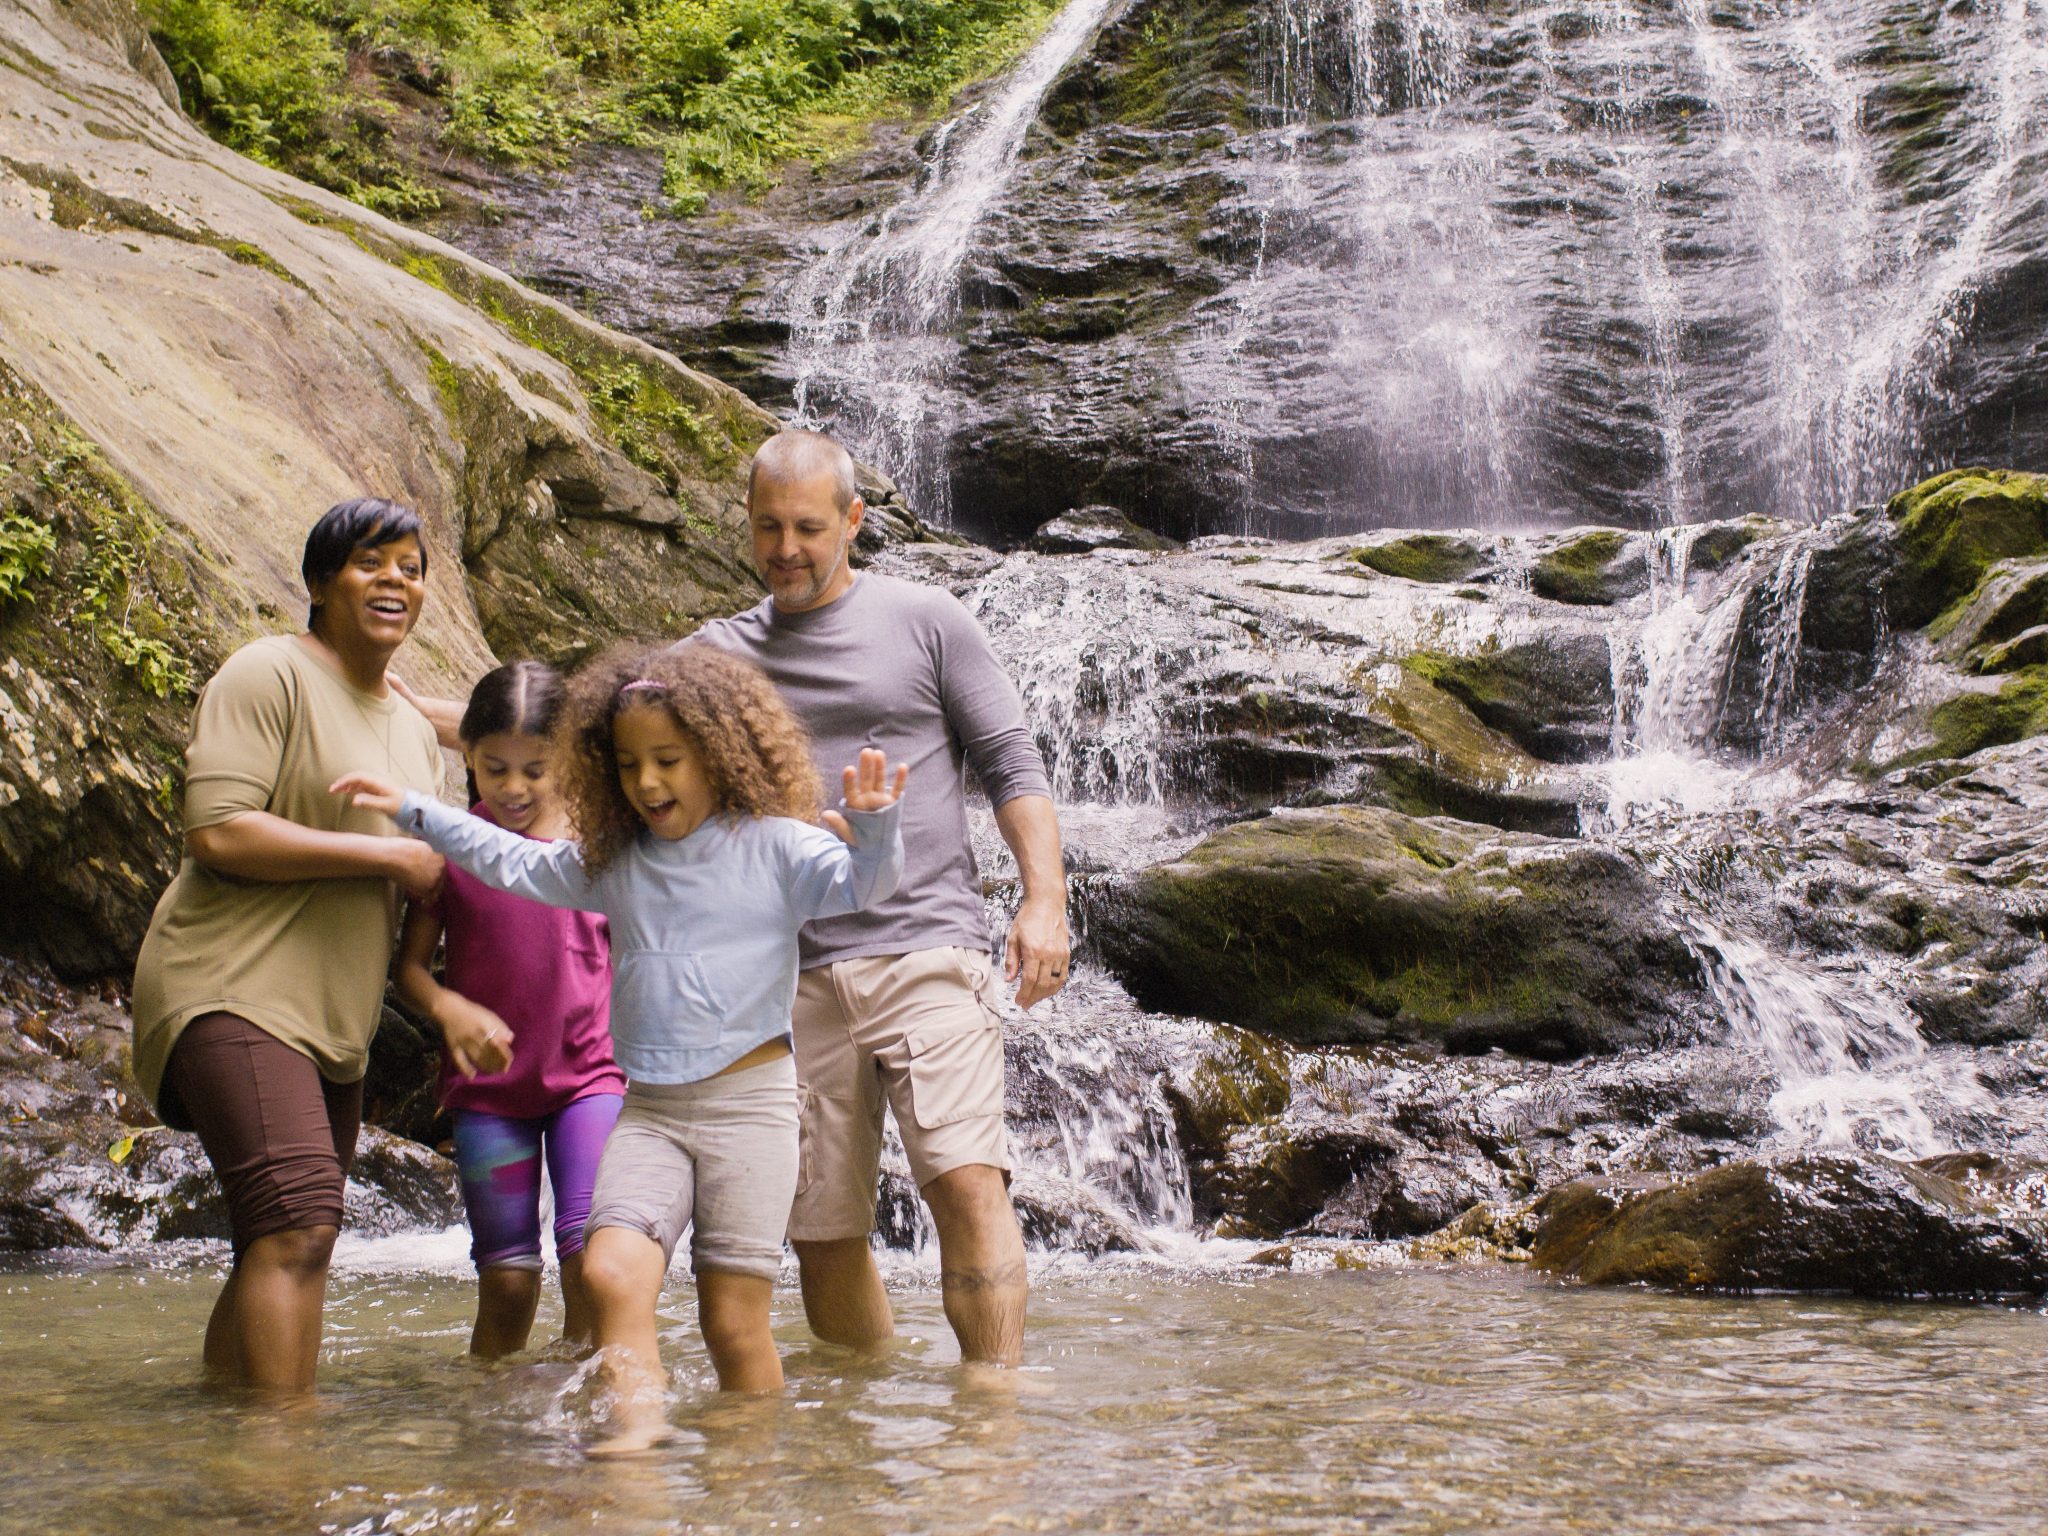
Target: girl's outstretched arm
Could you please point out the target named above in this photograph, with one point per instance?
(551, 873)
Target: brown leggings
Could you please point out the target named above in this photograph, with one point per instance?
(279, 1135)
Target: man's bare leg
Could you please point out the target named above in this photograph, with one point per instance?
(622, 1271)
(844, 1298)
(981, 1262)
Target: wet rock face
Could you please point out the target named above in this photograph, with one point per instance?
(1861, 1224)
(1358, 925)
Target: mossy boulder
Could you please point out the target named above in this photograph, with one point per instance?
(1856, 1223)
(1953, 529)
(1349, 925)
(1553, 698)
(1428, 557)
(1594, 569)
(1991, 714)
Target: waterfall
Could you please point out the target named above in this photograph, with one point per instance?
(872, 323)
(1851, 1066)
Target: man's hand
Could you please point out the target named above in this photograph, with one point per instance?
(867, 788)
(477, 1039)
(1037, 951)
(444, 715)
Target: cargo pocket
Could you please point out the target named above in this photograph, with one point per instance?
(955, 1074)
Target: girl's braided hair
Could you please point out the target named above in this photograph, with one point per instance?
(756, 755)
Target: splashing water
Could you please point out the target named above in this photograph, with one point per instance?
(1852, 1068)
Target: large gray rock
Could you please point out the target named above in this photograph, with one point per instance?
(1350, 925)
(197, 356)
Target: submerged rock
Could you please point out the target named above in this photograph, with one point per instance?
(1818, 1222)
(1345, 925)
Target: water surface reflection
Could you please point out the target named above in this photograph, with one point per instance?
(1156, 1398)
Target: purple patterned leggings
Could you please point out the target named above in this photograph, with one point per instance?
(500, 1162)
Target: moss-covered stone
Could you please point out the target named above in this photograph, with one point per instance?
(1592, 570)
(1448, 729)
(1972, 721)
(1347, 925)
(1866, 1224)
(1719, 543)
(1553, 699)
(1952, 530)
(1430, 557)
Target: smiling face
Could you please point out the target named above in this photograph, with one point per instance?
(373, 601)
(661, 771)
(512, 780)
(802, 539)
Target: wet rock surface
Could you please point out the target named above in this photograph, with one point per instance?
(1350, 925)
(83, 1163)
(1963, 1226)
(1287, 266)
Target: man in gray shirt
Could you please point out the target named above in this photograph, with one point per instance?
(897, 1004)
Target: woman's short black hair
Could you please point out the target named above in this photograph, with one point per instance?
(346, 527)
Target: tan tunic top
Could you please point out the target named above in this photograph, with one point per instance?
(303, 960)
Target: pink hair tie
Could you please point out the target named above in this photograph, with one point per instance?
(644, 682)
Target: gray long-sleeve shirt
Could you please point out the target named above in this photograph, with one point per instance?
(907, 669)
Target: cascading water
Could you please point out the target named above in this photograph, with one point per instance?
(871, 325)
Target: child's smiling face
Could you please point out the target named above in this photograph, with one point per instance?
(511, 769)
(661, 771)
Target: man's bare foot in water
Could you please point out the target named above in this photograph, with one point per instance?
(985, 1376)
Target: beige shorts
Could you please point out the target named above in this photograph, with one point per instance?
(921, 1032)
(716, 1156)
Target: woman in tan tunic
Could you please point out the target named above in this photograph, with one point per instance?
(262, 977)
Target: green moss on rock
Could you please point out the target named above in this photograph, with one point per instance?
(1430, 557)
(1348, 925)
(1951, 530)
(1590, 570)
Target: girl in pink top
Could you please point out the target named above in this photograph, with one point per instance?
(526, 1063)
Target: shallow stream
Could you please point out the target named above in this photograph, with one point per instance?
(1167, 1395)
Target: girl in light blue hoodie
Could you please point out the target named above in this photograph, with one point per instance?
(695, 801)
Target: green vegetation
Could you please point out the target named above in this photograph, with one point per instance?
(25, 550)
(357, 95)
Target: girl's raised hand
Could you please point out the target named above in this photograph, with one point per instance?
(367, 792)
(866, 787)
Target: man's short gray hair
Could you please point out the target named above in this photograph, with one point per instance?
(797, 454)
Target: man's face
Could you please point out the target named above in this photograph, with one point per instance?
(802, 539)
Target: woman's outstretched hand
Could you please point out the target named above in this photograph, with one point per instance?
(867, 788)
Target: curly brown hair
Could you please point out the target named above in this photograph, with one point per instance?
(756, 755)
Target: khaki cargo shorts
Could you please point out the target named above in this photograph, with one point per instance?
(920, 1032)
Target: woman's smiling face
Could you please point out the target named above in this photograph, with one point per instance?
(375, 599)
(661, 771)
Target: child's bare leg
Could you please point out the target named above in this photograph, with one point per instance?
(732, 1310)
(622, 1272)
(506, 1300)
(578, 1319)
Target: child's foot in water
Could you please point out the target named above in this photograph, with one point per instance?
(635, 1434)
